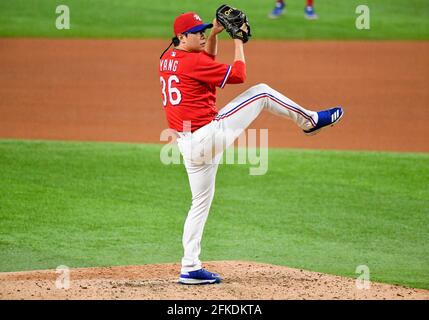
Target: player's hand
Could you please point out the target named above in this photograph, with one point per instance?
(217, 27)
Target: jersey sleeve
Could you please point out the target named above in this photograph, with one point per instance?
(238, 73)
(209, 71)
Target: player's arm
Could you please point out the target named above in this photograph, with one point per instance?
(239, 51)
(238, 70)
(239, 47)
(216, 73)
(212, 41)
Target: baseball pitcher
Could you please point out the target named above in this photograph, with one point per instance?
(189, 76)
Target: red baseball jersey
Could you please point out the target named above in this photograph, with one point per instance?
(188, 86)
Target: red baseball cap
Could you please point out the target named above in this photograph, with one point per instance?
(189, 22)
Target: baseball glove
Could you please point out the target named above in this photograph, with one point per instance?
(234, 21)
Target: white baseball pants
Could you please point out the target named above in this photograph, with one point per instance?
(202, 151)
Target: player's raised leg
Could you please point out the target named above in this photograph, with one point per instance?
(243, 110)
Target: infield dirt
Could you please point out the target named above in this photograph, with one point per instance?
(108, 90)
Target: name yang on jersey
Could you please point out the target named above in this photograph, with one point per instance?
(168, 65)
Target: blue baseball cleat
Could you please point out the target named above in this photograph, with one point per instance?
(309, 13)
(277, 11)
(327, 117)
(200, 276)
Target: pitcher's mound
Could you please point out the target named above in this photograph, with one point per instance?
(242, 280)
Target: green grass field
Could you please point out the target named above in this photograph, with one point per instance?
(102, 204)
(392, 19)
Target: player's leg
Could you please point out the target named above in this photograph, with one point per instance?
(278, 9)
(202, 182)
(244, 109)
(235, 117)
(202, 177)
(309, 12)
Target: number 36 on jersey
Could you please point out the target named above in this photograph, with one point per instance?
(169, 92)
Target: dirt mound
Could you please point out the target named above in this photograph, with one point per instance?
(242, 280)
